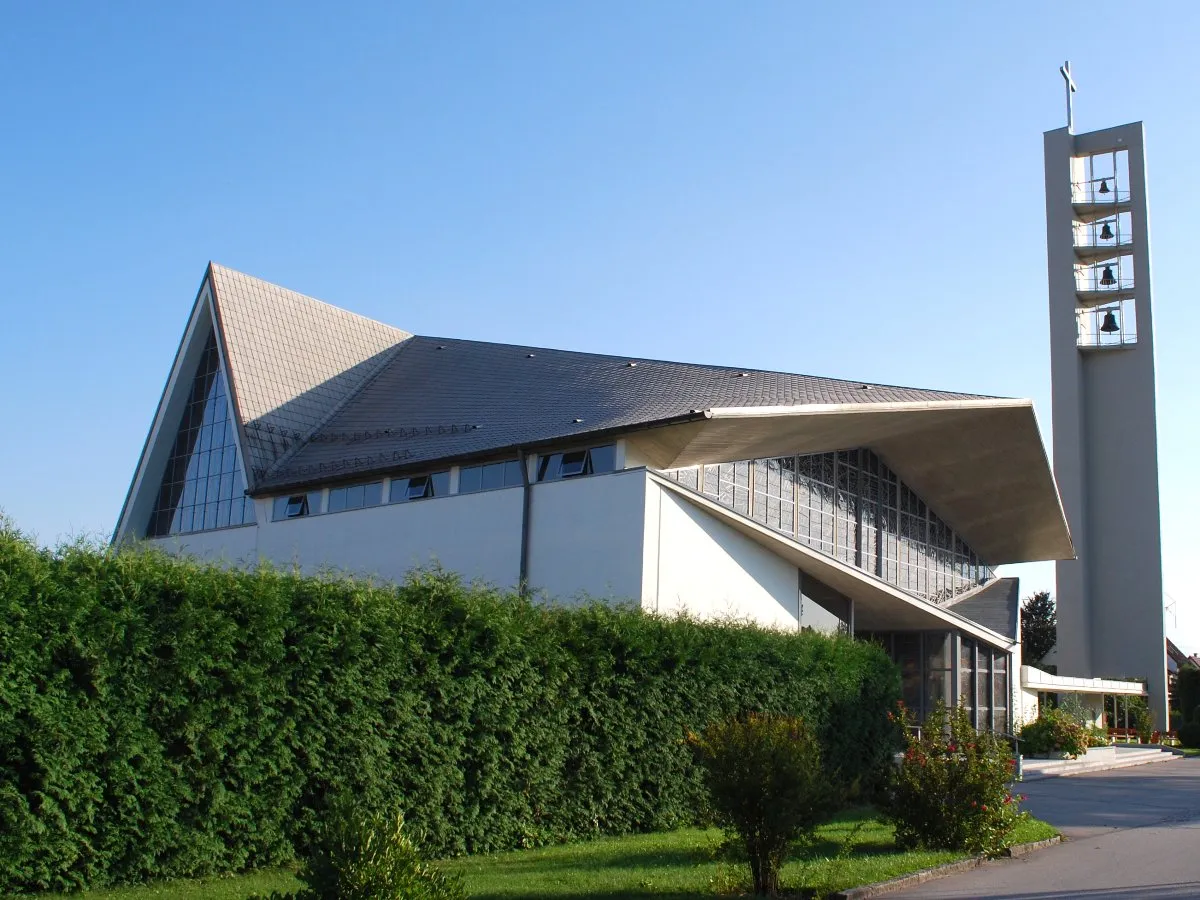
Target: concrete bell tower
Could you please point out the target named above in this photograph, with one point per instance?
(1110, 598)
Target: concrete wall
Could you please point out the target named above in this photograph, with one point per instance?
(1110, 600)
(699, 565)
(476, 535)
(234, 546)
(586, 536)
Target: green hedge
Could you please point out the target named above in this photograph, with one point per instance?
(159, 718)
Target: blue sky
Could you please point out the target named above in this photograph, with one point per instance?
(844, 189)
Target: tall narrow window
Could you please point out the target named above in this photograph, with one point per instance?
(203, 486)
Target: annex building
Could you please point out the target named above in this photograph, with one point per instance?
(302, 434)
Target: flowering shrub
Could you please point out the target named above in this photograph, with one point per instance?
(1054, 732)
(1096, 736)
(767, 786)
(951, 790)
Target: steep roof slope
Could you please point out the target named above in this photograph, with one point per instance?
(293, 360)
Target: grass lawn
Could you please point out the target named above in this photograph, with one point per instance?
(1190, 751)
(676, 865)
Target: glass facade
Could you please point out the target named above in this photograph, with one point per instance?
(203, 486)
(822, 608)
(947, 666)
(851, 506)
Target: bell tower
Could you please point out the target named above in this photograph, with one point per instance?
(1110, 598)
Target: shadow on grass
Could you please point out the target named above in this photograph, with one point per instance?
(616, 859)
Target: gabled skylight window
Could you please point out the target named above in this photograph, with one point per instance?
(203, 486)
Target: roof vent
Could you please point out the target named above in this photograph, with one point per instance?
(441, 346)
(633, 365)
(529, 356)
(577, 421)
(742, 375)
(865, 387)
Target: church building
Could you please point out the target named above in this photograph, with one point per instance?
(294, 432)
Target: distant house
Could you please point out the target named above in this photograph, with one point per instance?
(293, 431)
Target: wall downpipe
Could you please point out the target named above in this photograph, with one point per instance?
(526, 502)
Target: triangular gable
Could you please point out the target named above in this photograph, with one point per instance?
(145, 498)
(293, 361)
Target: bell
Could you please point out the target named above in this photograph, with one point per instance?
(1103, 185)
(1110, 323)
(1106, 233)
(1107, 278)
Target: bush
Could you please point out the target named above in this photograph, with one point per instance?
(1189, 734)
(162, 719)
(369, 857)
(1054, 732)
(1095, 736)
(767, 787)
(951, 790)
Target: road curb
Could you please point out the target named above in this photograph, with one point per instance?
(954, 868)
(1018, 850)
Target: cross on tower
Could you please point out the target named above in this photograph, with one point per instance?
(1065, 71)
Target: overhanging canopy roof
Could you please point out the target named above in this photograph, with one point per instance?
(979, 463)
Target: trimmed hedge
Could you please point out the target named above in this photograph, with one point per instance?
(160, 718)
(1187, 689)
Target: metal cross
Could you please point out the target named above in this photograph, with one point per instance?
(1065, 71)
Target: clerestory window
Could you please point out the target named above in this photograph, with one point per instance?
(419, 487)
(296, 506)
(574, 463)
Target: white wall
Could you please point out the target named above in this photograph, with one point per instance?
(235, 546)
(586, 536)
(699, 565)
(476, 535)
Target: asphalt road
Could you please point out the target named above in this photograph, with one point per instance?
(1128, 833)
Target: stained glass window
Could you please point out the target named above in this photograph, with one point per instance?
(203, 486)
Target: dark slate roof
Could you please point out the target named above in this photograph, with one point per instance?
(441, 399)
(993, 606)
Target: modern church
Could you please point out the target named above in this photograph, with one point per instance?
(298, 433)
